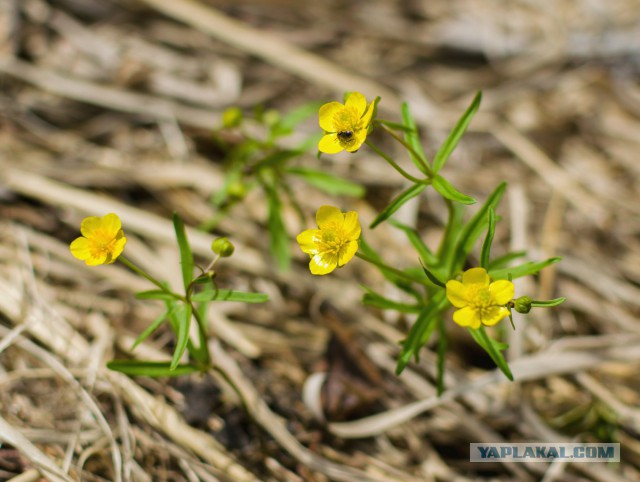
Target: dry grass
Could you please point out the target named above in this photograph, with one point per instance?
(107, 106)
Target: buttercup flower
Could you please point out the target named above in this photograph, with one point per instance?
(334, 243)
(478, 300)
(345, 126)
(102, 240)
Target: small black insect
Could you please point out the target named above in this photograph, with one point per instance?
(345, 136)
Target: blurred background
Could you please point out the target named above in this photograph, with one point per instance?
(117, 106)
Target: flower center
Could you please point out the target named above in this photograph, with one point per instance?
(102, 244)
(346, 120)
(480, 300)
(333, 239)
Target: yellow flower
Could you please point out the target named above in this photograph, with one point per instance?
(334, 243)
(345, 126)
(479, 301)
(102, 240)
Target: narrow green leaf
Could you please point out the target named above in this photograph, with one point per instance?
(447, 247)
(150, 329)
(173, 309)
(397, 202)
(474, 227)
(186, 257)
(276, 159)
(421, 330)
(505, 260)
(156, 295)
(442, 352)
(445, 188)
(493, 348)
(150, 368)
(200, 353)
(395, 125)
(412, 137)
(183, 336)
(524, 269)
(332, 185)
(176, 318)
(291, 119)
(230, 295)
(279, 239)
(433, 278)
(456, 134)
(414, 238)
(376, 300)
(404, 358)
(400, 279)
(486, 246)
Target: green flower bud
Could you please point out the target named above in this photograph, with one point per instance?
(522, 304)
(237, 190)
(223, 247)
(271, 117)
(231, 117)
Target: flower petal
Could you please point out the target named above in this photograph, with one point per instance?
(365, 120)
(494, 314)
(117, 250)
(475, 276)
(457, 293)
(358, 101)
(502, 291)
(330, 144)
(307, 241)
(111, 224)
(351, 225)
(80, 248)
(326, 115)
(347, 252)
(323, 263)
(96, 260)
(329, 216)
(90, 225)
(466, 317)
(358, 139)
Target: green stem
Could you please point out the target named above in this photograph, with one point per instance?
(144, 274)
(447, 245)
(395, 165)
(397, 272)
(202, 328)
(202, 334)
(410, 148)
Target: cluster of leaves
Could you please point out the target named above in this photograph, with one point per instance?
(180, 310)
(425, 283)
